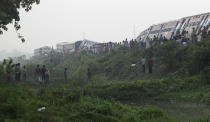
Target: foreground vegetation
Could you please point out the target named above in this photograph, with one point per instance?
(178, 89)
(21, 102)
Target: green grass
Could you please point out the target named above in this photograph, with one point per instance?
(19, 103)
(178, 89)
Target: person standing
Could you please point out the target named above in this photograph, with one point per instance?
(134, 70)
(150, 64)
(204, 33)
(148, 42)
(140, 42)
(17, 72)
(9, 71)
(24, 73)
(38, 73)
(43, 73)
(187, 37)
(5, 66)
(143, 62)
(194, 36)
(199, 37)
(13, 72)
(161, 39)
(47, 76)
(65, 75)
(89, 75)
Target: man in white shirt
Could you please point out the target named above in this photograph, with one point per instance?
(134, 70)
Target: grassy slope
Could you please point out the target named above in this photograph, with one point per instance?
(20, 103)
(176, 77)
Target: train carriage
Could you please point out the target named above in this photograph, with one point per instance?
(155, 31)
(143, 35)
(168, 28)
(194, 22)
(177, 26)
(206, 22)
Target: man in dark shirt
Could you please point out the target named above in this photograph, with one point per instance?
(43, 72)
(17, 72)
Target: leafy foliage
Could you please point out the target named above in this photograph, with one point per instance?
(18, 103)
(9, 12)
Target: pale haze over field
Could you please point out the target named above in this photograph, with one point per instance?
(54, 21)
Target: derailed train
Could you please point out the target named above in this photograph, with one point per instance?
(167, 29)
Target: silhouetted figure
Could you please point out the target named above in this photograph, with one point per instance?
(65, 74)
(165, 39)
(38, 73)
(24, 73)
(194, 36)
(13, 72)
(17, 72)
(9, 71)
(43, 73)
(143, 63)
(134, 70)
(47, 76)
(5, 66)
(204, 32)
(161, 39)
(89, 74)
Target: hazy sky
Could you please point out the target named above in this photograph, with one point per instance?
(54, 21)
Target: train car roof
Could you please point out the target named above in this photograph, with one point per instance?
(174, 21)
(166, 22)
(180, 18)
(195, 15)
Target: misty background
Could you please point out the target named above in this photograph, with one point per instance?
(54, 21)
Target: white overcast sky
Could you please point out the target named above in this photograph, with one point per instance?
(54, 21)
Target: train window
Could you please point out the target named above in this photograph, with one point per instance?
(206, 22)
(196, 16)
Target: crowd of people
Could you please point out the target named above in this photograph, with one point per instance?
(42, 74)
(12, 72)
(107, 47)
(144, 62)
(183, 37)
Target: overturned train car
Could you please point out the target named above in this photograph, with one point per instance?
(167, 29)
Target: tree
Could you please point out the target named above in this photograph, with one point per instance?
(9, 13)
